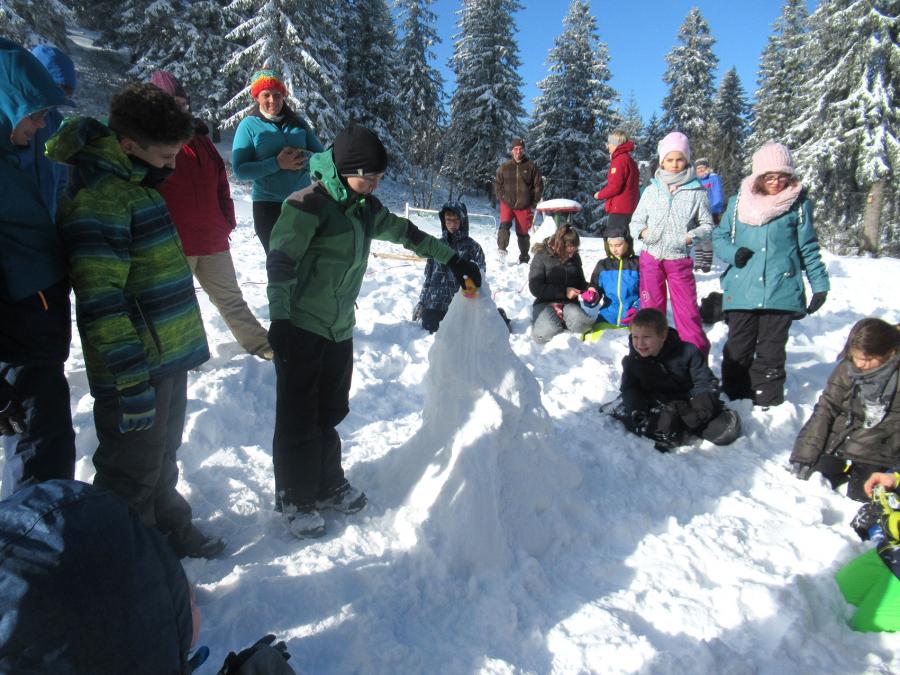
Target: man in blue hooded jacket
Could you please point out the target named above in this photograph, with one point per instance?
(35, 315)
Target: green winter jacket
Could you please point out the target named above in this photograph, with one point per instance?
(135, 303)
(319, 251)
(784, 249)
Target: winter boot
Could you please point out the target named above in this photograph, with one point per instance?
(524, 245)
(346, 499)
(192, 543)
(503, 236)
(306, 523)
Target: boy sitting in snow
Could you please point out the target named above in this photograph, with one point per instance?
(440, 282)
(667, 388)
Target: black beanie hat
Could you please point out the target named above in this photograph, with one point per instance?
(357, 152)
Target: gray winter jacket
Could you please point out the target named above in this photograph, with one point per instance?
(671, 218)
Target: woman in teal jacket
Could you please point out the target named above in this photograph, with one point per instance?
(270, 148)
(768, 240)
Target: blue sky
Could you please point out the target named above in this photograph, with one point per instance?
(639, 33)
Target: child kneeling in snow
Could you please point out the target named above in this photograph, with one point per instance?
(440, 283)
(870, 581)
(854, 429)
(668, 390)
(616, 281)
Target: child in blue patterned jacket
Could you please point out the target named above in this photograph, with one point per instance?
(440, 284)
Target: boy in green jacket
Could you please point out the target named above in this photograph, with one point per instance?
(137, 314)
(318, 255)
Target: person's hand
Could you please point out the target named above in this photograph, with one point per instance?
(801, 470)
(816, 302)
(590, 297)
(643, 232)
(572, 293)
(261, 657)
(12, 416)
(137, 408)
(280, 336)
(741, 256)
(887, 480)
(597, 196)
(688, 241)
(463, 269)
(290, 159)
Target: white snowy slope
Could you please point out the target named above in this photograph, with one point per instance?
(511, 528)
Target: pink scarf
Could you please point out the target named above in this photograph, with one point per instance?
(755, 209)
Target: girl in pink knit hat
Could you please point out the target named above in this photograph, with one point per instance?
(672, 213)
(768, 240)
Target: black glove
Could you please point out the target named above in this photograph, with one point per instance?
(280, 336)
(638, 422)
(261, 657)
(741, 256)
(816, 301)
(462, 268)
(701, 409)
(12, 417)
(801, 470)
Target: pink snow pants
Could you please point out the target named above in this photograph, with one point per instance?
(679, 275)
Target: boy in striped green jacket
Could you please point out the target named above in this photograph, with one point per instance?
(137, 314)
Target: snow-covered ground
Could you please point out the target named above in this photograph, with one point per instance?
(512, 528)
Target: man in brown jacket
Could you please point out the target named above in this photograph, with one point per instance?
(518, 187)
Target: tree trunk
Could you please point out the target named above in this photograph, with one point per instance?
(870, 237)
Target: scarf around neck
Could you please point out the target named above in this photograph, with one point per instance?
(755, 209)
(675, 179)
(877, 389)
(271, 118)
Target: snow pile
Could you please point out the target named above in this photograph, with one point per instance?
(484, 476)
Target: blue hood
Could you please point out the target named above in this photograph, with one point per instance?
(25, 88)
(58, 64)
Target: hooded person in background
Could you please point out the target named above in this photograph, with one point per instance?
(35, 314)
(711, 182)
(88, 588)
(440, 284)
(519, 188)
(316, 264)
(198, 197)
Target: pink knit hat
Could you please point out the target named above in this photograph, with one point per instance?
(773, 158)
(674, 142)
(168, 83)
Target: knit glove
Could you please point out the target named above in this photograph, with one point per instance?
(629, 315)
(741, 256)
(261, 658)
(700, 410)
(137, 408)
(816, 301)
(12, 417)
(463, 268)
(801, 470)
(590, 297)
(280, 337)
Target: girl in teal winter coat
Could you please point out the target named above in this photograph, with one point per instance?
(768, 240)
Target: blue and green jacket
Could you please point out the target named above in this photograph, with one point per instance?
(34, 294)
(619, 280)
(254, 154)
(319, 251)
(135, 304)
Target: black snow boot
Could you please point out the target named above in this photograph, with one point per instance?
(524, 245)
(503, 236)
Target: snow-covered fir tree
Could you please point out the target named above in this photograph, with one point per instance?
(300, 38)
(153, 32)
(730, 130)
(486, 106)
(653, 134)
(632, 123)
(573, 112)
(420, 88)
(849, 129)
(689, 73)
(370, 75)
(30, 23)
(782, 76)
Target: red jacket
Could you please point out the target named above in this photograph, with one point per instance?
(622, 188)
(198, 197)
